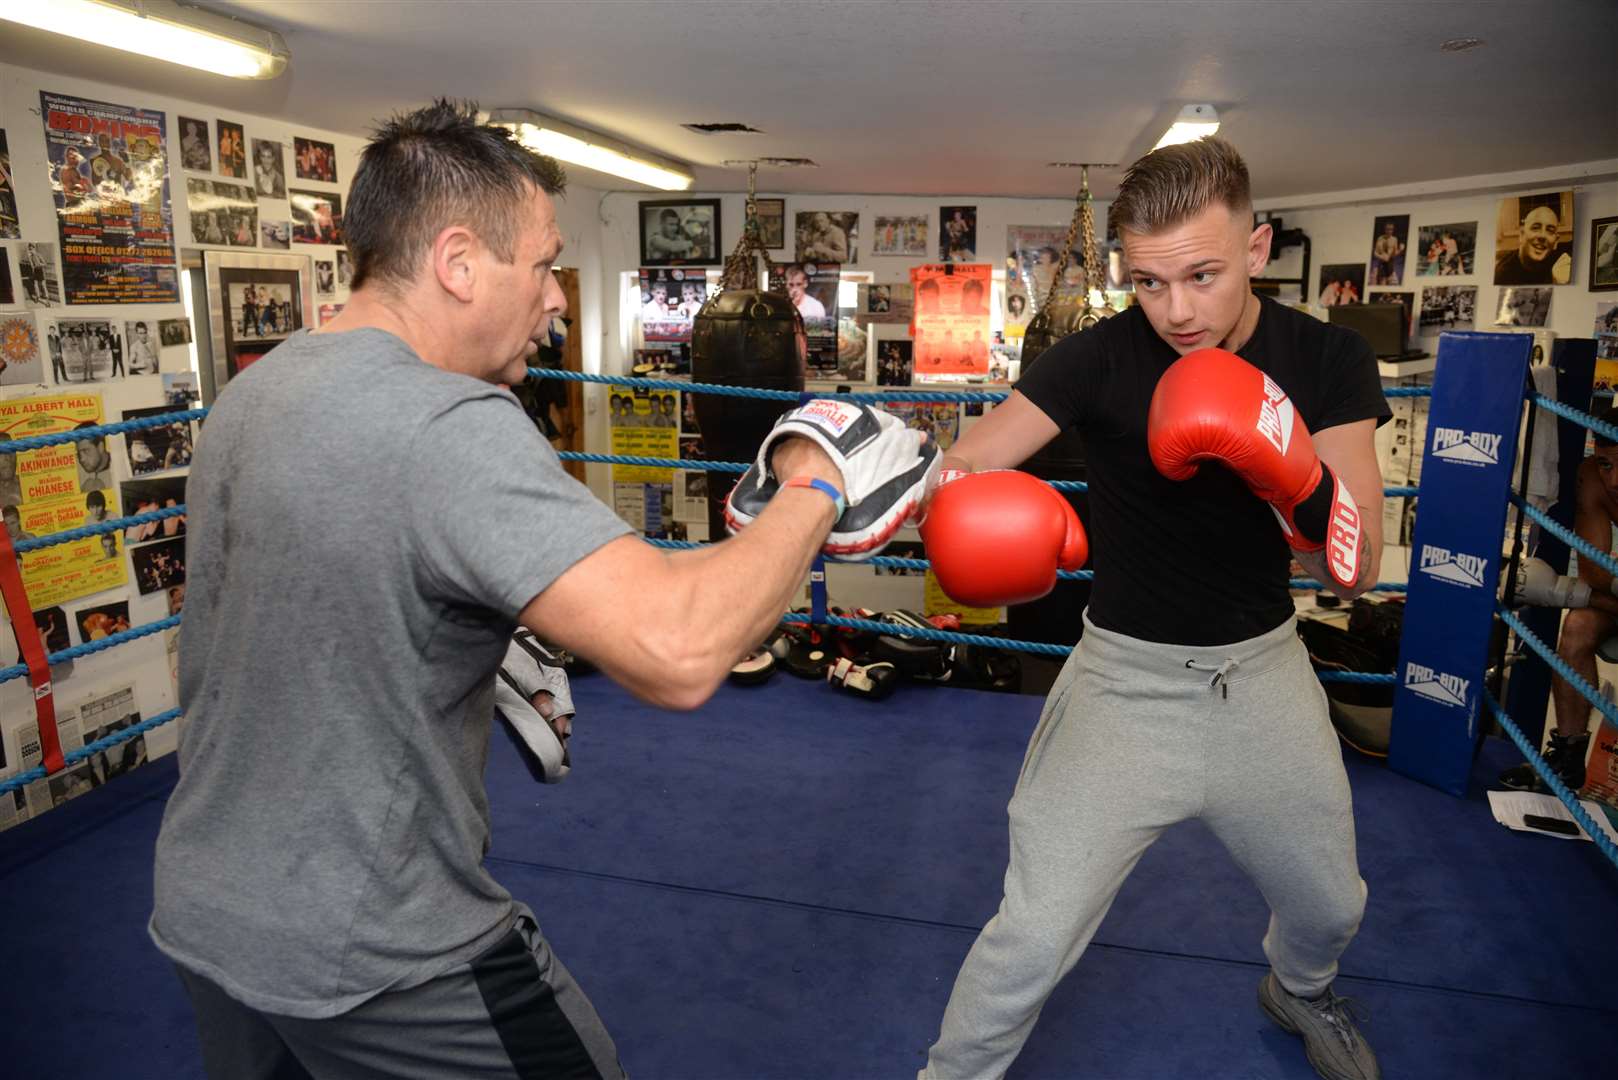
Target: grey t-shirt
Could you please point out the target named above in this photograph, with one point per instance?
(363, 529)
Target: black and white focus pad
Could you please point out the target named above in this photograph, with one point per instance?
(528, 668)
(886, 469)
(874, 681)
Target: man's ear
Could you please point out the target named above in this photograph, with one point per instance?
(1258, 249)
(454, 262)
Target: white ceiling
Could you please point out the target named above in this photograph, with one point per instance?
(974, 97)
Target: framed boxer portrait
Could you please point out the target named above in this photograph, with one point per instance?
(680, 232)
(255, 301)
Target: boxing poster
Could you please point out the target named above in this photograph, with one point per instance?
(813, 288)
(670, 298)
(109, 178)
(951, 327)
(1032, 254)
(644, 424)
(51, 490)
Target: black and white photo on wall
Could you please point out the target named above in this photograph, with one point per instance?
(269, 169)
(325, 277)
(142, 338)
(1524, 305)
(222, 213)
(1604, 254)
(1446, 250)
(680, 232)
(36, 265)
(1534, 239)
(1448, 307)
(772, 222)
(196, 149)
(827, 236)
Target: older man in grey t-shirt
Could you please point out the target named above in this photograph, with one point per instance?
(370, 516)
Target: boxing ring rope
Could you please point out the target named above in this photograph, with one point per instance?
(115, 525)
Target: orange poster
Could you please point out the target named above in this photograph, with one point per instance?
(951, 325)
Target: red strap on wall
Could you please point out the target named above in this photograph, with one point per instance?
(15, 595)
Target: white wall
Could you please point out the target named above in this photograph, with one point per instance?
(144, 663)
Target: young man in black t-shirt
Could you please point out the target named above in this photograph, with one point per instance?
(1189, 694)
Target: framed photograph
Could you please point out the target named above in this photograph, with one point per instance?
(1604, 254)
(827, 236)
(317, 217)
(772, 222)
(680, 232)
(1446, 250)
(1533, 241)
(269, 169)
(196, 145)
(314, 160)
(232, 151)
(255, 301)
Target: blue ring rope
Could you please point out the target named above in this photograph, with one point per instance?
(118, 427)
(1554, 782)
(1568, 412)
(1557, 664)
(73, 757)
(1585, 549)
(740, 466)
(22, 547)
(18, 671)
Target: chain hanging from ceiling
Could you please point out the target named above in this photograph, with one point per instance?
(741, 266)
(1055, 319)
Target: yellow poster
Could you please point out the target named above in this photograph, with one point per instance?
(938, 602)
(644, 424)
(47, 491)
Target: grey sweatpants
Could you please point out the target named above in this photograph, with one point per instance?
(512, 1013)
(1134, 737)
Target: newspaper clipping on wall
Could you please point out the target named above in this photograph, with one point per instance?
(51, 490)
(110, 181)
(97, 717)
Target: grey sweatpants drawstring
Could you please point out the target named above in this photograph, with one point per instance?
(1221, 673)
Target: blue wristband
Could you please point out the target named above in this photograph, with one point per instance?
(821, 486)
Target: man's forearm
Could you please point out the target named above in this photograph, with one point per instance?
(736, 591)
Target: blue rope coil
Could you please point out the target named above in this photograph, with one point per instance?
(73, 757)
(1568, 412)
(1554, 782)
(1578, 543)
(1557, 664)
(38, 442)
(1408, 391)
(890, 396)
(109, 526)
(18, 671)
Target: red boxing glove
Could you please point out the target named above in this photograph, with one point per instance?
(998, 537)
(1213, 405)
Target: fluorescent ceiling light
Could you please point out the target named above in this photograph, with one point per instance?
(579, 147)
(161, 29)
(1193, 123)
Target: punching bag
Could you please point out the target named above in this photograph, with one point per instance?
(742, 337)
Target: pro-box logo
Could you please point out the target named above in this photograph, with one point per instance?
(1275, 416)
(1436, 685)
(1454, 567)
(1466, 447)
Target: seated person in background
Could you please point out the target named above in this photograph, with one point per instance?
(1593, 596)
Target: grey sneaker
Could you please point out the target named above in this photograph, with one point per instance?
(1326, 1025)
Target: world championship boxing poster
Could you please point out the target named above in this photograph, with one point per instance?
(109, 177)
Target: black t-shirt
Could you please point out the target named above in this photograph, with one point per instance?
(1200, 561)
